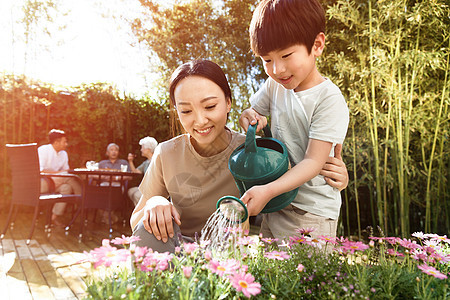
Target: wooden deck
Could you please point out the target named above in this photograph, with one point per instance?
(48, 268)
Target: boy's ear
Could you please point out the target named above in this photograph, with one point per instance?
(319, 44)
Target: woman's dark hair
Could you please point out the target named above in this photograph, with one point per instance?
(279, 24)
(203, 68)
(55, 134)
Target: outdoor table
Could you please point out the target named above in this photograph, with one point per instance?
(107, 197)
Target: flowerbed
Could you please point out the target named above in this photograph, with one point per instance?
(252, 266)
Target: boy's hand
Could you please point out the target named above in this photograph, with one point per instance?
(335, 171)
(256, 198)
(251, 116)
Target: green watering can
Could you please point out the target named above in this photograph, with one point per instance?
(259, 161)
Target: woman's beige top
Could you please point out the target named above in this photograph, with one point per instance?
(194, 183)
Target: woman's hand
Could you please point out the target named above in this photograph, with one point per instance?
(250, 117)
(335, 171)
(159, 214)
(131, 156)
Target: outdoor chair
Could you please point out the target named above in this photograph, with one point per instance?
(26, 185)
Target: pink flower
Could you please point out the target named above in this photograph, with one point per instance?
(393, 252)
(442, 239)
(392, 240)
(187, 271)
(245, 283)
(269, 240)
(204, 244)
(244, 268)
(107, 255)
(328, 239)
(354, 246)
(156, 260)
(440, 258)
(140, 252)
(190, 247)
(125, 240)
(408, 244)
(435, 244)
(223, 267)
(279, 255)
(431, 271)
(298, 240)
(208, 255)
(246, 240)
(419, 255)
(305, 231)
(300, 268)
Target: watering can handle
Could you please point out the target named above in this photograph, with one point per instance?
(250, 141)
(267, 132)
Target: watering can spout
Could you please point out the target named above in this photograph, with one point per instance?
(233, 209)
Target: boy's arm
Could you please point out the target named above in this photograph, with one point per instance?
(315, 157)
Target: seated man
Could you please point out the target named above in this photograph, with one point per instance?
(148, 145)
(114, 163)
(54, 159)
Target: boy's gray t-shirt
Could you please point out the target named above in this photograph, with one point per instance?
(319, 113)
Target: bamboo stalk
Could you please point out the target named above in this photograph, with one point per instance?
(374, 125)
(441, 187)
(355, 184)
(386, 151)
(433, 147)
(347, 214)
(405, 195)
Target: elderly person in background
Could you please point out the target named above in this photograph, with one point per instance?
(148, 145)
(113, 161)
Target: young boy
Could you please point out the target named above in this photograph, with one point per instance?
(308, 113)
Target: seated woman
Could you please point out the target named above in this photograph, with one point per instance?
(189, 173)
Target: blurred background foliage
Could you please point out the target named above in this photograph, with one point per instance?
(390, 59)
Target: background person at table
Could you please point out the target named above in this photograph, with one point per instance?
(54, 159)
(113, 163)
(192, 169)
(148, 145)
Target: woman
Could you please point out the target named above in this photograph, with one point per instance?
(148, 145)
(191, 169)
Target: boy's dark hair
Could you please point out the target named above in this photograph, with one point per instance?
(203, 68)
(55, 134)
(279, 24)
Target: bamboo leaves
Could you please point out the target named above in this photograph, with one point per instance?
(395, 76)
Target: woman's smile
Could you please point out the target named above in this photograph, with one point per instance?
(204, 131)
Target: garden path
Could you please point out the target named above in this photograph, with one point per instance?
(48, 268)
